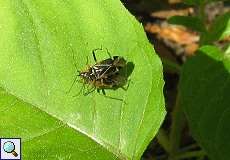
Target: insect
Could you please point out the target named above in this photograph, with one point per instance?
(103, 74)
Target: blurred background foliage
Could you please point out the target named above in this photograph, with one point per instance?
(201, 22)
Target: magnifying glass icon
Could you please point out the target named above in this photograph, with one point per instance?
(9, 147)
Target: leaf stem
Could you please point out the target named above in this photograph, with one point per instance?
(163, 140)
(178, 121)
(202, 17)
(187, 148)
(187, 155)
(170, 65)
(202, 11)
(201, 157)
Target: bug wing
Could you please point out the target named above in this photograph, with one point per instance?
(104, 68)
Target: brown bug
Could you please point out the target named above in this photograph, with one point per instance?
(103, 74)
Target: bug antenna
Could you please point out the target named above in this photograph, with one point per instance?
(75, 80)
(108, 53)
(82, 88)
(73, 56)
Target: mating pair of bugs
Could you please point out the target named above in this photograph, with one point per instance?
(105, 74)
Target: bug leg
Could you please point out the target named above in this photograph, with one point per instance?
(108, 53)
(82, 89)
(94, 56)
(126, 88)
(90, 91)
(87, 90)
(118, 99)
(103, 91)
(94, 53)
(74, 81)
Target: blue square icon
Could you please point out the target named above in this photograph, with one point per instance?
(10, 148)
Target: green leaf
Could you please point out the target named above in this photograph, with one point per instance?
(37, 128)
(191, 22)
(220, 28)
(204, 88)
(37, 67)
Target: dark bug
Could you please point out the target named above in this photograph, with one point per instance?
(102, 75)
(107, 67)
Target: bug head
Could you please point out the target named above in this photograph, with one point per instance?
(86, 76)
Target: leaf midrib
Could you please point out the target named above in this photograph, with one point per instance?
(102, 143)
